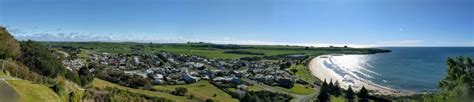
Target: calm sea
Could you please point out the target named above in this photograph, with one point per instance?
(408, 68)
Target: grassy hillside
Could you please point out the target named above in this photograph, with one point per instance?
(103, 84)
(202, 89)
(30, 92)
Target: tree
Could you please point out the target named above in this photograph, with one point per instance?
(85, 76)
(330, 88)
(460, 80)
(9, 47)
(323, 96)
(40, 59)
(350, 94)
(181, 91)
(363, 95)
(323, 93)
(324, 86)
(337, 89)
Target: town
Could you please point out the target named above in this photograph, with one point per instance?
(165, 68)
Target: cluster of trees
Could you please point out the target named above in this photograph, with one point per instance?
(285, 65)
(331, 89)
(328, 90)
(43, 61)
(265, 96)
(121, 78)
(38, 59)
(459, 82)
(9, 47)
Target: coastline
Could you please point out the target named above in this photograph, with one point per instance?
(323, 72)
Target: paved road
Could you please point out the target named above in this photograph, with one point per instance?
(298, 97)
(7, 93)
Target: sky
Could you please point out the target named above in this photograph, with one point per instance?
(282, 22)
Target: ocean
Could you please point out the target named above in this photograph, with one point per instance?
(407, 68)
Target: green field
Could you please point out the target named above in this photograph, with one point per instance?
(30, 92)
(206, 49)
(304, 73)
(201, 89)
(103, 84)
(299, 89)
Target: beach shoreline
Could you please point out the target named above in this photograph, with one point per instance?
(321, 71)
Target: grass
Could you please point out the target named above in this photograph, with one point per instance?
(337, 99)
(232, 89)
(30, 92)
(201, 89)
(299, 89)
(102, 84)
(304, 73)
(254, 88)
(68, 87)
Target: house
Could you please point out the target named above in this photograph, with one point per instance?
(136, 60)
(190, 79)
(180, 82)
(159, 81)
(240, 94)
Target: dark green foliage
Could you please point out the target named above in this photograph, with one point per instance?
(265, 96)
(39, 59)
(336, 89)
(85, 76)
(180, 91)
(285, 65)
(9, 47)
(459, 81)
(119, 77)
(363, 95)
(294, 71)
(209, 100)
(350, 94)
(330, 87)
(323, 96)
(72, 76)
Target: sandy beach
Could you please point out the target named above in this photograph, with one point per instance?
(322, 71)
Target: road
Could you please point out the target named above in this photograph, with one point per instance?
(298, 97)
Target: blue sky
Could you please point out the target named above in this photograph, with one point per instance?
(300, 22)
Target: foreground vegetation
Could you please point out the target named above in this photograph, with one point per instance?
(201, 89)
(97, 83)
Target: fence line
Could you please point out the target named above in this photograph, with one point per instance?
(24, 73)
